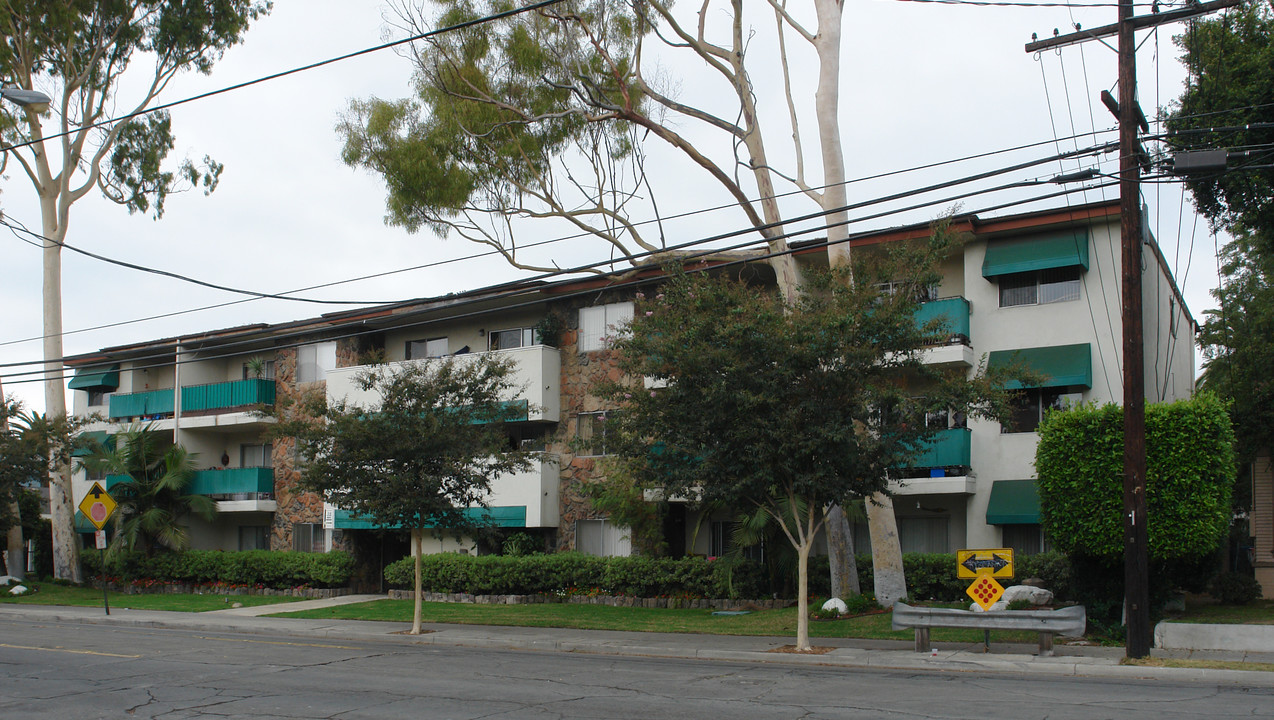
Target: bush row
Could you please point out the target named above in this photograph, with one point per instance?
(568, 573)
(929, 576)
(264, 568)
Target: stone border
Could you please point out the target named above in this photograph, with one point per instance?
(611, 600)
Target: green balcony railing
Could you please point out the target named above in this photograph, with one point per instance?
(950, 448)
(955, 312)
(253, 483)
(224, 395)
(142, 404)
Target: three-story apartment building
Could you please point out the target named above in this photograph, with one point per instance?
(1039, 288)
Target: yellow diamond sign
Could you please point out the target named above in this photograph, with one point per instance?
(97, 506)
(985, 591)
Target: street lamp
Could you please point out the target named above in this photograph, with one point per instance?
(33, 99)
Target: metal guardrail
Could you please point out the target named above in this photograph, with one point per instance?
(1069, 621)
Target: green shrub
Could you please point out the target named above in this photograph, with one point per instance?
(1231, 588)
(264, 568)
(860, 604)
(1054, 568)
(573, 572)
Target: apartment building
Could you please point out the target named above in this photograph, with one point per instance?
(1039, 288)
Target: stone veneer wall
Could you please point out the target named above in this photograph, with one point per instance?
(580, 373)
(294, 505)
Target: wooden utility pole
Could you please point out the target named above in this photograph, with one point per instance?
(1136, 551)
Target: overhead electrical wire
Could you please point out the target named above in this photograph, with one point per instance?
(529, 245)
(165, 359)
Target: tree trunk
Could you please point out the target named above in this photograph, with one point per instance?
(66, 551)
(886, 553)
(803, 595)
(840, 554)
(417, 549)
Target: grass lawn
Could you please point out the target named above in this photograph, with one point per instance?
(1204, 610)
(58, 594)
(603, 617)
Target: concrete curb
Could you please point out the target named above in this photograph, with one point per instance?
(1097, 662)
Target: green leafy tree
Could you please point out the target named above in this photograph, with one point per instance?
(422, 455)
(30, 444)
(1189, 476)
(1238, 343)
(1230, 61)
(546, 116)
(786, 409)
(99, 60)
(154, 498)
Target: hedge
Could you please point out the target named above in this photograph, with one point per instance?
(578, 573)
(930, 576)
(262, 568)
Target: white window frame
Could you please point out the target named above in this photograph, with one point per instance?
(435, 347)
(526, 338)
(314, 361)
(1039, 277)
(600, 322)
(596, 445)
(612, 540)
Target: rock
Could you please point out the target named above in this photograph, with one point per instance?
(836, 604)
(1036, 595)
(18, 590)
(1035, 582)
(999, 605)
(237, 605)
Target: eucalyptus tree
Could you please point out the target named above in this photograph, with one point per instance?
(546, 115)
(104, 64)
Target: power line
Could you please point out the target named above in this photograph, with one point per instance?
(165, 358)
(531, 245)
(275, 76)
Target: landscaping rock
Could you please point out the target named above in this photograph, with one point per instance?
(836, 604)
(1036, 595)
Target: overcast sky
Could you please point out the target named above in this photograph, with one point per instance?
(921, 83)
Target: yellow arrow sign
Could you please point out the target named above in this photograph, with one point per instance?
(97, 506)
(996, 562)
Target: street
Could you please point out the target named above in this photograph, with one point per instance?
(90, 671)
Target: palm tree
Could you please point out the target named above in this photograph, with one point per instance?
(153, 499)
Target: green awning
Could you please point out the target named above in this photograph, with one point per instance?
(1062, 365)
(1013, 502)
(1036, 252)
(95, 377)
(87, 441)
(502, 516)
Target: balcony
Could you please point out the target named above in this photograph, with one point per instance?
(942, 468)
(953, 347)
(235, 489)
(525, 500)
(211, 405)
(537, 377)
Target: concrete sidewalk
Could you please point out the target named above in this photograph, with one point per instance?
(1071, 660)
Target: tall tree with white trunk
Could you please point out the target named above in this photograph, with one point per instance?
(548, 115)
(103, 63)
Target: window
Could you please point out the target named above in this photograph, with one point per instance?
(590, 433)
(309, 537)
(256, 456)
(1026, 539)
(1039, 287)
(431, 348)
(923, 294)
(254, 537)
(601, 538)
(98, 397)
(313, 361)
(266, 368)
(512, 338)
(604, 321)
(1029, 408)
(923, 534)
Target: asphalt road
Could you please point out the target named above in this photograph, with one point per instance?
(54, 670)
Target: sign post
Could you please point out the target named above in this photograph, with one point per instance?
(98, 506)
(984, 566)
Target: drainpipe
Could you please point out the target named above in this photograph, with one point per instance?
(177, 395)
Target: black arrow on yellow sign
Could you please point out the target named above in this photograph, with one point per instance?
(995, 563)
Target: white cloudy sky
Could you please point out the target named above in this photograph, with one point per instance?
(921, 83)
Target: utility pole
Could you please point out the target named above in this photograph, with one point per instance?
(1131, 118)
